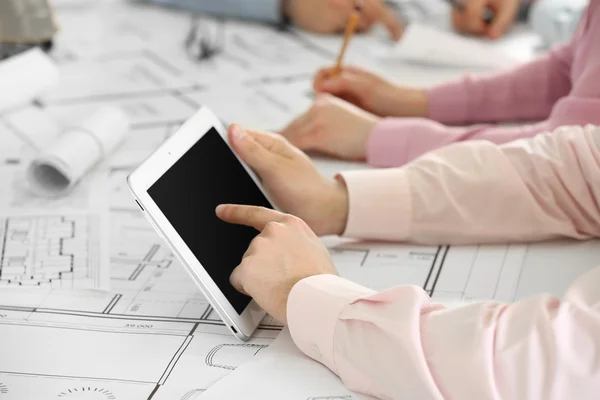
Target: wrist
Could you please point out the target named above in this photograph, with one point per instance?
(338, 209)
(411, 102)
(359, 147)
(417, 103)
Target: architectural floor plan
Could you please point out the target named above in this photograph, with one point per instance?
(93, 304)
(57, 251)
(457, 274)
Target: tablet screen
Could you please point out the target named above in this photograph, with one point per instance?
(207, 175)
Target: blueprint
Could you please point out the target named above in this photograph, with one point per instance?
(56, 250)
(95, 302)
(452, 275)
(59, 243)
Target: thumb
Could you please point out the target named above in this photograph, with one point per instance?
(274, 143)
(252, 152)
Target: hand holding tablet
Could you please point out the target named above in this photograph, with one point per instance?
(179, 187)
(211, 209)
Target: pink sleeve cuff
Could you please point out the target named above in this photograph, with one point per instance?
(314, 306)
(379, 204)
(397, 141)
(449, 102)
(388, 143)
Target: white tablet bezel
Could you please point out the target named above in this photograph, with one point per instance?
(154, 167)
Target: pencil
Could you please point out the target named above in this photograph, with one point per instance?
(350, 29)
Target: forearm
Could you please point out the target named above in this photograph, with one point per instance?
(527, 92)
(397, 141)
(259, 10)
(399, 344)
(479, 192)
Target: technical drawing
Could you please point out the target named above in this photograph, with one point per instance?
(165, 359)
(127, 74)
(151, 334)
(148, 110)
(376, 256)
(380, 266)
(231, 356)
(508, 273)
(56, 251)
(139, 143)
(347, 397)
(88, 392)
(193, 394)
(22, 198)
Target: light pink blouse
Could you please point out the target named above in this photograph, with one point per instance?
(398, 344)
(560, 88)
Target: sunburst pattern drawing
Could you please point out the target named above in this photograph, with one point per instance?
(88, 392)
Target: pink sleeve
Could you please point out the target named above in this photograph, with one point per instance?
(398, 141)
(527, 92)
(398, 344)
(563, 88)
(474, 192)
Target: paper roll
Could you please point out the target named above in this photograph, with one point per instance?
(24, 77)
(58, 169)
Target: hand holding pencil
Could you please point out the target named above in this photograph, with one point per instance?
(331, 16)
(366, 12)
(350, 29)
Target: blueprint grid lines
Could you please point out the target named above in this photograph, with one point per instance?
(150, 333)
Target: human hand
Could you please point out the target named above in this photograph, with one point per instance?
(372, 93)
(292, 181)
(469, 20)
(331, 16)
(285, 252)
(333, 127)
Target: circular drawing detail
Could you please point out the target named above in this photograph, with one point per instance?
(193, 394)
(237, 354)
(87, 392)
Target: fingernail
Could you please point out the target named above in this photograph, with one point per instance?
(238, 132)
(220, 209)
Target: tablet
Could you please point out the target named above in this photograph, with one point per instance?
(178, 188)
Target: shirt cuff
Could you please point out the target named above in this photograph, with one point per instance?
(387, 144)
(448, 102)
(379, 204)
(313, 308)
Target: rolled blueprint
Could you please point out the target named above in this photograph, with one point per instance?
(25, 76)
(57, 170)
